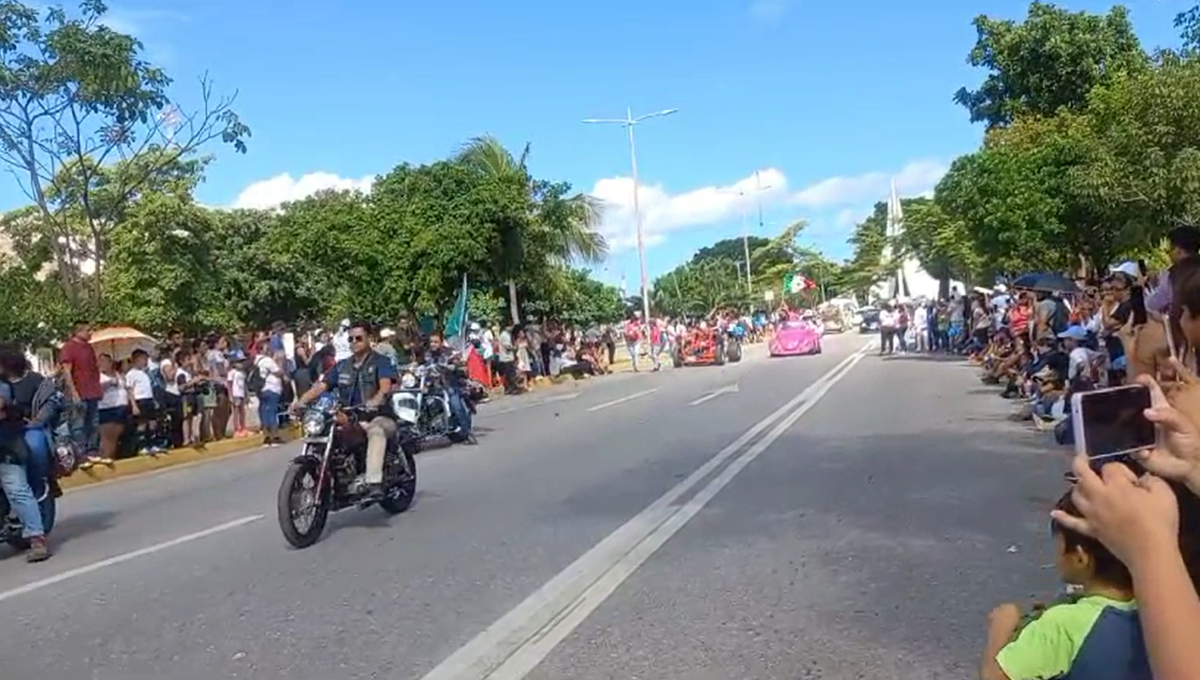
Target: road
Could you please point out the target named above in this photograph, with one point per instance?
(835, 516)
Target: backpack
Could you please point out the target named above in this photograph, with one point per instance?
(255, 381)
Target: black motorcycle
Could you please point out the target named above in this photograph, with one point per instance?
(328, 475)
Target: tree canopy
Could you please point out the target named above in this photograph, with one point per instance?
(1091, 152)
(113, 231)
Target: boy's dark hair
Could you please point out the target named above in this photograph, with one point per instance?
(1107, 567)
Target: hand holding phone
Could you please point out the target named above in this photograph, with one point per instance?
(1111, 423)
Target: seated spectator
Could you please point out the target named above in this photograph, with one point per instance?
(1094, 634)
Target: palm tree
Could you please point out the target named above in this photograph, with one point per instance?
(563, 227)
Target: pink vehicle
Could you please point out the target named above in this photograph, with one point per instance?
(796, 337)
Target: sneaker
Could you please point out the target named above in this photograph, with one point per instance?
(39, 550)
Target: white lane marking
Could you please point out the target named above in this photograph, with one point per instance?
(622, 400)
(513, 646)
(728, 389)
(125, 557)
(531, 404)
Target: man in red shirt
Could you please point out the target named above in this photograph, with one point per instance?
(81, 373)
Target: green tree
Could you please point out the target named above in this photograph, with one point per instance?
(79, 96)
(429, 226)
(1050, 61)
(159, 264)
(940, 242)
(558, 227)
(700, 289)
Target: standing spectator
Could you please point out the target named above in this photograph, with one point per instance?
(145, 408)
(81, 375)
(218, 376)
(920, 326)
(172, 400)
(113, 411)
(237, 397)
(887, 328)
(633, 338)
(507, 358)
(1183, 242)
(270, 395)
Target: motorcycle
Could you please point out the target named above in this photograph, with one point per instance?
(423, 402)
(43, 476)
(327, 475)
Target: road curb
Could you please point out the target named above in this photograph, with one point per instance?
(143, 465)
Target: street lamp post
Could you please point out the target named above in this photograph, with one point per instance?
(628, 122)
(758, 189)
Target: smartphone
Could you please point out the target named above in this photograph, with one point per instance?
(1111, 423)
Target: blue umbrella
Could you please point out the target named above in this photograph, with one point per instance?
(1048, 282)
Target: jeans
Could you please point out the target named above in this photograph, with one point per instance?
(634, 347)
(20, 497)
(41, 452)
(85, 425)
(459, 409)
(268, 410)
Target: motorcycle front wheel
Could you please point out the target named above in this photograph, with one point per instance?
(299, 500)
(400, 495)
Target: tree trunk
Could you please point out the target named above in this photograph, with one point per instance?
(513, 309)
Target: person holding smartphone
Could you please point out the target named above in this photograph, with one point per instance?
(1138, 520)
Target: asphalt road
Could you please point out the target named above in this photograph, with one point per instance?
(835, 516)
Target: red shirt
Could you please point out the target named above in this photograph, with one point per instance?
(85, 372)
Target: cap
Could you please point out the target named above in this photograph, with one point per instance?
(387, 333)
(1129, 268)
(1074, 333)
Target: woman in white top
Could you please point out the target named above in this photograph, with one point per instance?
(113, 411)
(270, 395)
(172, 398)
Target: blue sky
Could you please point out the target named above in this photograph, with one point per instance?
(829, 99)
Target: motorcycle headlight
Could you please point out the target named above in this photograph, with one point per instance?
(404, 407)
(314, 424)
(408, 381)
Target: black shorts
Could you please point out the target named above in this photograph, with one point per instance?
(114, 415)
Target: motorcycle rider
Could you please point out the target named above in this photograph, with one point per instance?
(439, 353)
(362, 379)
(14, 457)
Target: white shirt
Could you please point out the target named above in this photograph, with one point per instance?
(115, 395)
(269, 370)
(172, 385)
(138, 383)
(920, 318)
(887, 318)
(487, 343)
(341, 345)
(237, 384)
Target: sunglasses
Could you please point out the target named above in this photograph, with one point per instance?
(359, 338)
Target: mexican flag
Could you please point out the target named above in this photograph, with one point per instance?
(797, 283)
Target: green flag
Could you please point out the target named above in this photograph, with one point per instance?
(456, 325)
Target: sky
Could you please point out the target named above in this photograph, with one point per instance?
(828, 102)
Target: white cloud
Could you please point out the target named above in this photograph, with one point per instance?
(916, 178)
(837, 203)
(280, 189)
(663, 213)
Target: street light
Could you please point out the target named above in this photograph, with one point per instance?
(758, 189)
(628, 122)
